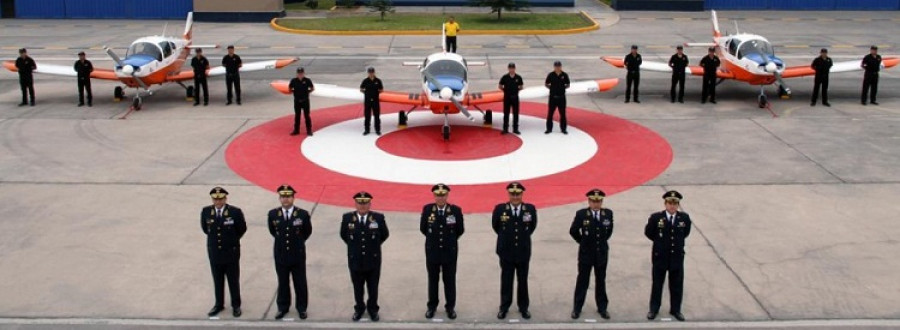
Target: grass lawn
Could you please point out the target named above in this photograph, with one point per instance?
(420, 21)
(323, 5)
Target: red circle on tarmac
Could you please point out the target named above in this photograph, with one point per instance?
(628, 155)
(426, 142)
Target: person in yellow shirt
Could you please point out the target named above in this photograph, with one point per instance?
(451, 28)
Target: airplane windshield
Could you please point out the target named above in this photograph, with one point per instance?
(145, 48)
(755, 47)
(447, 68)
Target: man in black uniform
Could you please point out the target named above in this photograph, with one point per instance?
(668, 229)
(224, 226)
(84, 68)
(511, 84)
(591, 228)
(200, 64)
(371, 87)
(25, 65)
(232, 63)
(442, 224)
(678, 62)
(822, 65)
(710, 64)
(872, 64)
(514, 222)
(291, 226)
(364, 231)
(633, 78)
(557, 81)
(301, 87)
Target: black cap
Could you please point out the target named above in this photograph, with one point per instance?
(230, 47)
(873, 47)
(712, 49)
(22, 50)
(634, 47)
(362, 197)
(440, 189)
(370, 69)
(557, 63)
(80, 53)
(300, 70)
(199, 50)
(673, 196)
(511, 65)
(823, 50)
(286, 191)
(595, 194)
(679, 47)
(218, 193)
(515, 188)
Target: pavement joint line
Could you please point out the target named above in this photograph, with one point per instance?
(213, 153)
(798, 151)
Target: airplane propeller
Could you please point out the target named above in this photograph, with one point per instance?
(771, 67)
(126, 69)
(447, 93)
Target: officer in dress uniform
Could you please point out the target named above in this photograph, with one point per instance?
(83, 68)
(668, 229)
(678, 62)
(200, 64)
(511, 84)
(364, 231)
(25, 65)
(232, 63)
(633, 78)
(514, 222)
(871, 64)
(442, 224)
(291, 227)
(710, 64)
(371, 87)
(591, 228)
(822, 65)
(224, 226)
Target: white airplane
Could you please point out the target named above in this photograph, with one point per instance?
(445, 90)
(153, 60)
(751, 58)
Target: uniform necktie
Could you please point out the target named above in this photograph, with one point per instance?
(362, 220)
(596, 216)
(441, 212)
(218, 213)
(672, 219)
(286, 215)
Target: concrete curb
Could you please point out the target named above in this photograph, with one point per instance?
(594, 26)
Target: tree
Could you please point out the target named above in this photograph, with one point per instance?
(381, 6)
(345, 3)
(497, 6)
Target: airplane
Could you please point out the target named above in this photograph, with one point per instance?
(445, 90)
(153, 60)
(751, 59)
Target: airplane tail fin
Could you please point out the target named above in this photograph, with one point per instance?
(715, 22)
(444, 37)
(189, 26)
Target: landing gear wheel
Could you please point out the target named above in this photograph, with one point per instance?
(189, 91)
(762, 101)
(446, 132)
(783, 93)
(136, 104)
(118, 93)
(488, 118)
(401, 118)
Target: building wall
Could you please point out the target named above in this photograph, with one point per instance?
(803, 4)
(141, 9)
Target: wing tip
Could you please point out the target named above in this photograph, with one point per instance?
(280, 63)
(10, 65)
(281, 86)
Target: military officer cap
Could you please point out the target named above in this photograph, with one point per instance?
(362, 197)
(370, 69)
(634, 47)
(511, 65)
(440, 189)
(672, 196)
(218, 193)
(595, 195)
(286, 191)
(515, 188)
(557, 63)
(300, 70)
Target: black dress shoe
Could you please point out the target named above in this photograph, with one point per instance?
(863, 102)
(90, 104)
(295, 133)
(576, 314)
(565, 132)
(308, 133)
(215, 311)
(357, 316)
(501, 315)
(80, 104)
(196, 103)
(239, 102)
(23, 104)
(826, 104)
(712, 101)
(516, 132)
(651, 315)
(627, 101)
(547, 131)
(280, 315)
(504, 132)
(812, 104)
(677, 316)
(429, 313)
(873, 103)
(636, 101)
(526, 315)
(702, 102)
(205, 104)
(451, 314)
(378, 133)
(374, 316)
(228, 103)
(604, 315)
(365, 133)
(32, 103)
(236, 312)
(680, 101)
(303, 315)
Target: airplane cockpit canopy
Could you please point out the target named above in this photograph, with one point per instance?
(146, 49)
(759, 51)
(449, 73)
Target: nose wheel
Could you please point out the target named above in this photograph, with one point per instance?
(445, 132)
(763, 102)
(136, 103)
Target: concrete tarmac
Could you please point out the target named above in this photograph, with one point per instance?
(793, 216)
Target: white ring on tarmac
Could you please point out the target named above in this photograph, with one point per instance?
(540, 154)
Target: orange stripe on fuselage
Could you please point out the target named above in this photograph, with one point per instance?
(741, 74)
(159, 76)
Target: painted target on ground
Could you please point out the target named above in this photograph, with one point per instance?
(400, 166)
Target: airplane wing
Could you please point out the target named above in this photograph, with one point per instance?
(838, 67)
(247, 67)
(63, 70)
(695, 70)
(353, 94)
(578, 87)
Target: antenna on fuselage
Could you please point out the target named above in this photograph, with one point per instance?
(736, 30)
(165, 27)
(443, 37)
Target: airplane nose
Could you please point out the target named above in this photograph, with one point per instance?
(127, 69)
(446, 93)
(771, 67)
